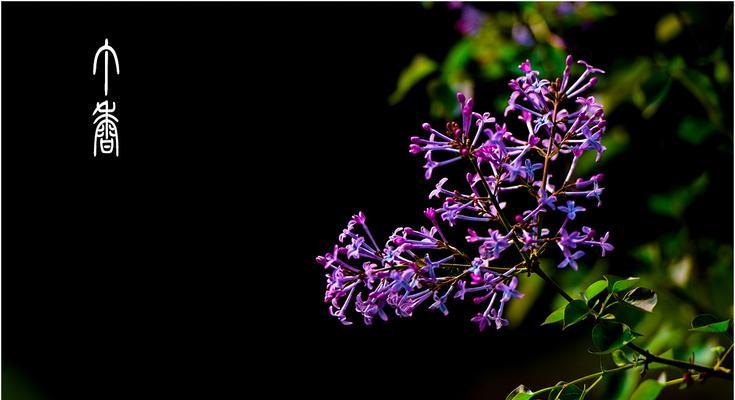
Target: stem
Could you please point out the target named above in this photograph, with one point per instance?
(586, 378)
(723, 357)
(589, 388)
(491, 196)
(675, 382)
(550, 281)
(678, 364)
(548, 150)
(544, 176)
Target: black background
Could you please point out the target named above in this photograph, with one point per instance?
(249, 134)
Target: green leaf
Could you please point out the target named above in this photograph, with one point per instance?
(454, 64)
(710, 324)
(420, 67)
(520, 393)
(570, 392)
(674, 203)
(668, 28)
(701, 86)
(616, 284)
(574, 312)
(695, 130)
(609, 336)
(641, 298)
(555, 316)
(722, 71)
(619, 358)
(595, 289)
(648, 390)
(656, 91)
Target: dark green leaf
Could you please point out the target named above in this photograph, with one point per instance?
(616, 284)
(520, 393)
(695, 130)
(574, 312)
(674, 203)
(704, 319)
(555, 316)
(709, 323)
(609, 336)
(570, 392)
(656, 90)
(642, 298)
(700, 85)
(648, 390)
(595, 289)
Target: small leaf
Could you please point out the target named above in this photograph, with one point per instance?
(619, 358)
(595, 289)
(641, 298)
(695, 130)
(569, 392)
(574, 312)
(710, 324)
(722, 71)
(675, 203)
(616, 284)
(456, 61)
(609, 336)
(668, 28)
(555, 316)
(648, 390)
(420, 67)
(520, 393)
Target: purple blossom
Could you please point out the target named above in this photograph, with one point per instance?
(470, 21)
(571, 210)
(571, 259)
(557, 122)
(522, 35)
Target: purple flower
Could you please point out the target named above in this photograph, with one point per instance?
(571, 259)
(604, 245)
(528, 169)
(421, 268)
(522, 35)
(509, 291)
(569, 240)
(439, 189)
(571, 210)
(471, 20)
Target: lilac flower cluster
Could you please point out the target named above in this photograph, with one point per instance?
(420, 266)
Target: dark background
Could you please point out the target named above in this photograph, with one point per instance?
(249, 134)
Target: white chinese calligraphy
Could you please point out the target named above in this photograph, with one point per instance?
(105, 132)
